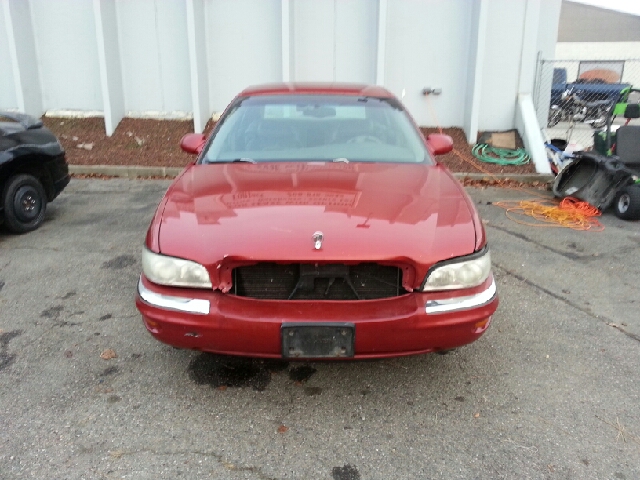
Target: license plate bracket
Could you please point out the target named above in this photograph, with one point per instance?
(318, 340)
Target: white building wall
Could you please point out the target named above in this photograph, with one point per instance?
(244, 47)
(428, 46)
(355, 41)
(8, 99)
(480, 53)
(334, 41)
(501, 70)
(66, 50)
(548, 35)
(313, 40)
(548, 27)
(152, 37)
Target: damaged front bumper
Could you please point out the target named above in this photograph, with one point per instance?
(458, 304)
(197, 306)
(220, 323)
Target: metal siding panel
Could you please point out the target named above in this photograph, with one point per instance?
(502, 65)
(8, 99)
(428, 46)
(141, 72)
(174, 55)
(547, 36)
(243, 46)
(154, 53)
(355, 38)
(313, 41)
(67, 52)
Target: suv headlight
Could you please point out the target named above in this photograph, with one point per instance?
(172, 271)
(463, 272)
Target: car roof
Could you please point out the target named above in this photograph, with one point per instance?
(350, 89)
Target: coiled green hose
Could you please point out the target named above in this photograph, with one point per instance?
(500, 156)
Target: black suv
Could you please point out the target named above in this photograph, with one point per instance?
(33, 171)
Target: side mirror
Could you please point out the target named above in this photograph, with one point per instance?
(439, 143)
(192, 142)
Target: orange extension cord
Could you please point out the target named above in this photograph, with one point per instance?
(568, 213)
(551, 213)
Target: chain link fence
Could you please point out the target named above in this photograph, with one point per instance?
(576, 99)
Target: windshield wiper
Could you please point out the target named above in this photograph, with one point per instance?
(340, 160)
(235, 160)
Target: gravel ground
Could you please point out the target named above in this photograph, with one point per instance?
(148, 142)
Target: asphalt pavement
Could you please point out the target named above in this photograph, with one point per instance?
(551, 391)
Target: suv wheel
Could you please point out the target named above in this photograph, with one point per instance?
(25, 203)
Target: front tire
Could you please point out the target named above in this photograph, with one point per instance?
(25, 203)
(627, 203)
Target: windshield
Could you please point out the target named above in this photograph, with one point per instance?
(275, 128)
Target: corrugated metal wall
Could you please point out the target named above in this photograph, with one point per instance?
(243, 40)
(183, 57)
(7, 86)
(152, 36)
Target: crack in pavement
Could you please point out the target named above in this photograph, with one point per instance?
(587, 311)
(618, 327)
(569, 255)
(218, 457)
(7, 359)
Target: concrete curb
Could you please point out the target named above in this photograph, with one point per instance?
(522, 177)
(124, 171)
(133, 172)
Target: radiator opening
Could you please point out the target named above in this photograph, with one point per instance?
(272, 281)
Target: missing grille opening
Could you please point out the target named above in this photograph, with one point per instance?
(272, 281)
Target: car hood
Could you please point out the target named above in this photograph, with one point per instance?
(226, 214)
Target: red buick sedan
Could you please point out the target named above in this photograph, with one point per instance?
(316, 223)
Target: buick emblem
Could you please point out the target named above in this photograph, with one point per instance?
(317, 240)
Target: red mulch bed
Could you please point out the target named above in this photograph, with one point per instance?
(136, 141)
(148, 142)
(462, 160)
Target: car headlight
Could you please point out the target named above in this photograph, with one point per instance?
(172, 271)
(463, 272)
